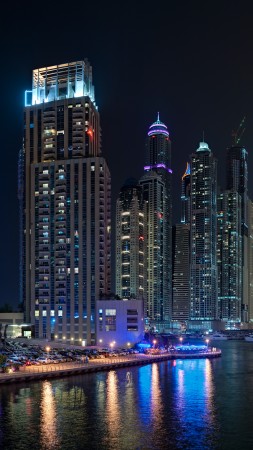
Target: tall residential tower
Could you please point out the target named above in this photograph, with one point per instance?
(237, 181)
(203, 229)
(181, 255)
(130, 242)
(156, 185)
(66, 204)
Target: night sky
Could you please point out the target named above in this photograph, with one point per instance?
(191, 61)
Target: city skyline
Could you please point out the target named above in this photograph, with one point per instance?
(191, 65)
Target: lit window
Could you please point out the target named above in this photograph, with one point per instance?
(110, 312)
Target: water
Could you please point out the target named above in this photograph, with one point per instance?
(194, 404)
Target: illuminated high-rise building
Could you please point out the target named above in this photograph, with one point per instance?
(181, 272)
(181, 254)
(203, 229)
(250, 259)
(185, 195)
(130, 242)
(237, 180)
(229, 257)
(66, 204)
(156, 185)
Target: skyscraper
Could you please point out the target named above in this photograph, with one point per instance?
(181, 254)
(185, 195)
(250, 259)
(237, 180)
(181, 272)
(203, 306)
(130, 242)
(229, 257)
(66, 204)
(156, 185)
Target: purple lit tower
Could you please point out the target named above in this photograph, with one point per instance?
(156, 185)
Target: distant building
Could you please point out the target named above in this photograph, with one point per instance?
(237, 180)
(229, 257)
(203, 238)
(66, 196)
(130, 242)
(250, 260)
(12, 325)
(119, 322)
(156, 184)
(181, 273)
(186, 195)
(181, 254)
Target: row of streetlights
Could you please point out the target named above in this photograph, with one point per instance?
(206, 340)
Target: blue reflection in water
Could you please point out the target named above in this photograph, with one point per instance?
(176, 398)
(193, 403)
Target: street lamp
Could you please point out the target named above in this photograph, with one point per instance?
(154, 342)
(207, 342)
(47, 350)
(181, 339)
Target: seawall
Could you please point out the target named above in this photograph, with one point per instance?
(91, 367)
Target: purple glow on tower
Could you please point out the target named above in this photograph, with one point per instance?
(158, 127)
(158, 131)
(158, 166)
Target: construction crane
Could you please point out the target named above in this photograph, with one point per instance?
(237, 135)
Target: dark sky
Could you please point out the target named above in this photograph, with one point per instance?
(191, 61)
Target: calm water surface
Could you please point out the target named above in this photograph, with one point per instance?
(197, 404)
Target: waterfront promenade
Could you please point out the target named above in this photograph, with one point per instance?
(32, 373)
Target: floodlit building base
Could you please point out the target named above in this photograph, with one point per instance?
(119, 323)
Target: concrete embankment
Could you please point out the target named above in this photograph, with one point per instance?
(53, 372)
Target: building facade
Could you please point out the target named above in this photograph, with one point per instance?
(156, 185)
(203, 229)
(237, 180)
(250, 260)
(66, 205)
(229, 257)
(181, 273)
(130, 242)
(185, 195)
(119, 322)
(181, 254)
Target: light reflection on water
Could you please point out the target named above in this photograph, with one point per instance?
(48, 421)
(171, 405)
(113, 413)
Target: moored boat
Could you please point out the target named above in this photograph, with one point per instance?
(218, 337)
(249, 338)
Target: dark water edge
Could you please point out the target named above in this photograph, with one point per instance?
(190, 404)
